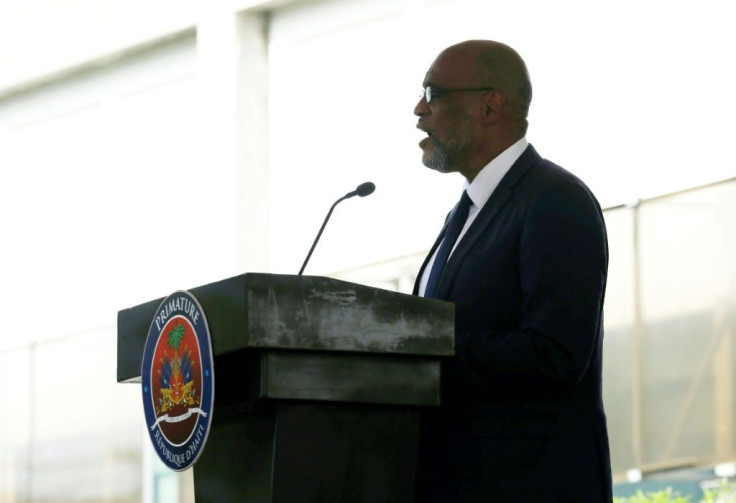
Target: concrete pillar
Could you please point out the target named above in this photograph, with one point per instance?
(232, 51)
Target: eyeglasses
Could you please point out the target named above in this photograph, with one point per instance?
(431, 92)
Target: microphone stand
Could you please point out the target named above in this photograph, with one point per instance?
(362, 190)
(319, 234)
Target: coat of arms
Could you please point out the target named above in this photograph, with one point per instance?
(177, 379)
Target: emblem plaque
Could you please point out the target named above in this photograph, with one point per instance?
(177, 380)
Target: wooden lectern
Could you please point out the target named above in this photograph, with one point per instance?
(319, 385)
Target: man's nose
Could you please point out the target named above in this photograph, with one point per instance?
(421, 108)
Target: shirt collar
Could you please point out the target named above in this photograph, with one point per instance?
(488, 178)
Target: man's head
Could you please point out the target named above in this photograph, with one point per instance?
(479, 95)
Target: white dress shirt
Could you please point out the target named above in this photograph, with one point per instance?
(480, 191)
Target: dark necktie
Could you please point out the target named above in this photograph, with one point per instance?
(454, 226)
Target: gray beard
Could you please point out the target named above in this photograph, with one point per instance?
(444, 156)
(439, 159)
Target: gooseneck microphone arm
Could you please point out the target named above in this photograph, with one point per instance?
(364, 189)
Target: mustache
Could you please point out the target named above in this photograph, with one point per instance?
(422, 127)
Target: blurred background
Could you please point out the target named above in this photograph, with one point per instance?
(149, 146)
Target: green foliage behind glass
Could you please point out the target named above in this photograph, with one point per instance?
(666, 496)
(724, 493)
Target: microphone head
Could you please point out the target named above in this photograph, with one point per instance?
(365, 189)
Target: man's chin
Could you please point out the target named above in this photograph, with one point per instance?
(436, 164)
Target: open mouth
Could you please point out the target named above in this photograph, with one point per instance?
(426, 138)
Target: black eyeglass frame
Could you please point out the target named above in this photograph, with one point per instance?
(439, 91)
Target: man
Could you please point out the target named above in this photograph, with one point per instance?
(522, 417)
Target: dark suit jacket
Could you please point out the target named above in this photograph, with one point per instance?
(522, 417)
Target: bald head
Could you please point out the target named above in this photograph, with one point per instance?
(489, 63)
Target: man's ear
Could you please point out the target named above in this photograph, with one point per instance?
(494, 104)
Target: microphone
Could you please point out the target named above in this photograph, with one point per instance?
(362, 190)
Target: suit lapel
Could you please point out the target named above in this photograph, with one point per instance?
(490, 210)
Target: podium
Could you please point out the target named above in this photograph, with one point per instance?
(319, 386)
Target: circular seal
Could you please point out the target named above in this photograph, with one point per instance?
(177, 380)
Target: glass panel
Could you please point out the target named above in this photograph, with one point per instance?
(15, 425)
(618, 343)
(688, 289)
(86, 426)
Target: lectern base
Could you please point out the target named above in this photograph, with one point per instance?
(306, 452)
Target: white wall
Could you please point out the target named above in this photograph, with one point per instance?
(107, 199)
(40, 37)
